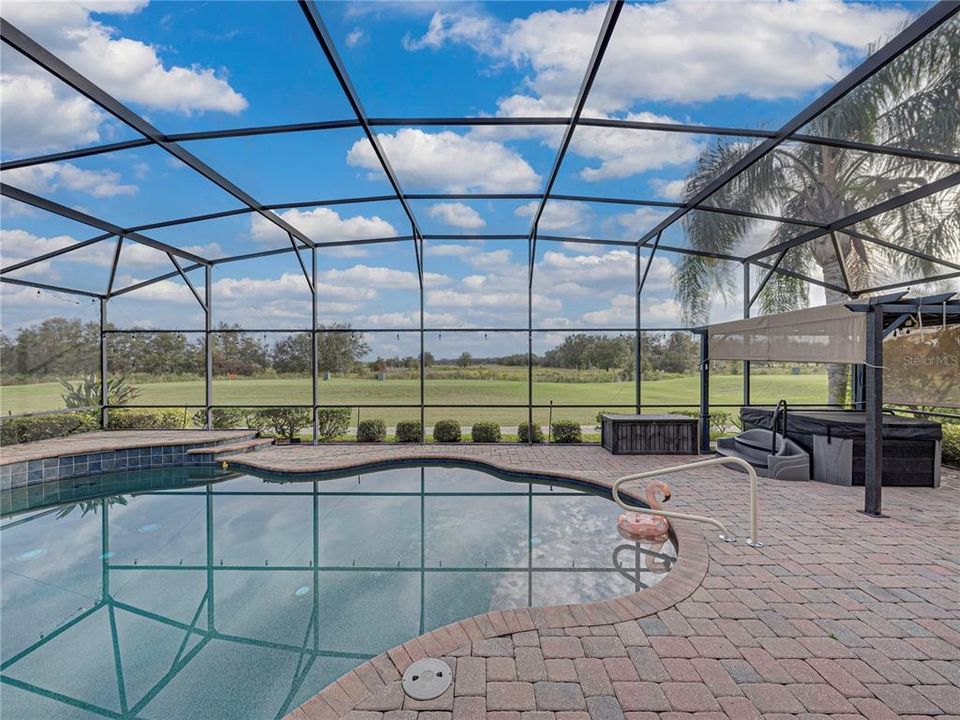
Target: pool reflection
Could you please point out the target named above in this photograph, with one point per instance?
(239, 596)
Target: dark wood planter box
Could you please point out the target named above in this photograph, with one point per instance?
(649, 434)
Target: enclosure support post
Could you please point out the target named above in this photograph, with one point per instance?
(423, 375)
(314, 385)
(704, 393)
(208, 344)
(530, 430)
(636, 337)
(873, 481)
(104, 396)
(746, 315)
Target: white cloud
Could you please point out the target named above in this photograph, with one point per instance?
(50, 177)
(586, 269)
(456, 214)
(558, 214)
(494, 298)
(355, 37)
(622, 311)
(624, 152)
(446, 160)
(322, 225)
(443, 249)
(55, 117)
(38, 117)
(18, 245)
(637, 222)
(675, 51)
(669, 189)
(382, 278)
(494, 259)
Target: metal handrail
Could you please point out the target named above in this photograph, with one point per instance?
(725, 535)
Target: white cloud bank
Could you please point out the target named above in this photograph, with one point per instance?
(447, 161)
(40, 114)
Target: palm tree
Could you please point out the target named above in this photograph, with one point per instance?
(910, 104)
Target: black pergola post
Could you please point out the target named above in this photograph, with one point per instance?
(704, 392)
(873, 480)
(746, 314)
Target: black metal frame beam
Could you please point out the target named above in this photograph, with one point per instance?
(616, 123)
(55, 253)
(919, 193)
(916, 31)
(59, 69)
(81, 217)
(593, 67)
(319, 28)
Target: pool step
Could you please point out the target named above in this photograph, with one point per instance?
(243, 446)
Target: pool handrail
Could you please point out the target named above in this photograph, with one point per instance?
(726, 535)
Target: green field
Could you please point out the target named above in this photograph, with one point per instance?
(672, 392)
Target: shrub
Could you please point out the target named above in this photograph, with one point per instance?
(408, 431)
(950, 448)
(86, 393)
(333, 422)
(285, 422)
(446, 431)
(719, 421)
(485, 432)
(221, 418)
(566, 431)
(41, 427)
(523, 433)
(255, 420)
(371, 431)
(146, 419)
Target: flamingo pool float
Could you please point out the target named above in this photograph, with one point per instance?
(641, 525)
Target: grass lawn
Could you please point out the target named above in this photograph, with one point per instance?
(673, 392)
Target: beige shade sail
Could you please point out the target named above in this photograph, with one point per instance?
(830, 333)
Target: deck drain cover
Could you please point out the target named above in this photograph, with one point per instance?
(427, 679)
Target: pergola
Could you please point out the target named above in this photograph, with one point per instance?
(767, 260)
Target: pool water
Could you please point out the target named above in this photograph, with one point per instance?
(235, 596)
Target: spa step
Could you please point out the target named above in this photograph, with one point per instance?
(791, 462)
(232, 448)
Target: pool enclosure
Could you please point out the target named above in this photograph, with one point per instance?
(119, 271)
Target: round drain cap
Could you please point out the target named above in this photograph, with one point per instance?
(427, 679)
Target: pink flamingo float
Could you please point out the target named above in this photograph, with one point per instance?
(635, 525)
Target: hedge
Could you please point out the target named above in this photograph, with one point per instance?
(566, 431)
(523, 433)
(221, 418)
(409, 431)
(374, 430)
(41, 427)
(146, 419)
(485, 432)
(446, 431)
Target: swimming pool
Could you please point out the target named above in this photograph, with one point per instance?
(188, 593)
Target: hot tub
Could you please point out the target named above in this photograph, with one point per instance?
(836, 440)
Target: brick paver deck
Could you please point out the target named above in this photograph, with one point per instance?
(839, 615)
(95, 442)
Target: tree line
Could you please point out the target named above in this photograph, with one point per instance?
(64, 348)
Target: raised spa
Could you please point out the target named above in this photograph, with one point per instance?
(241, 597)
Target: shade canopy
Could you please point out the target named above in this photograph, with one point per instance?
(830, 333)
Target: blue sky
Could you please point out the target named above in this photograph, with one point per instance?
(199, 66)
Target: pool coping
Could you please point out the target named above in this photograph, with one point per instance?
(359, 688)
